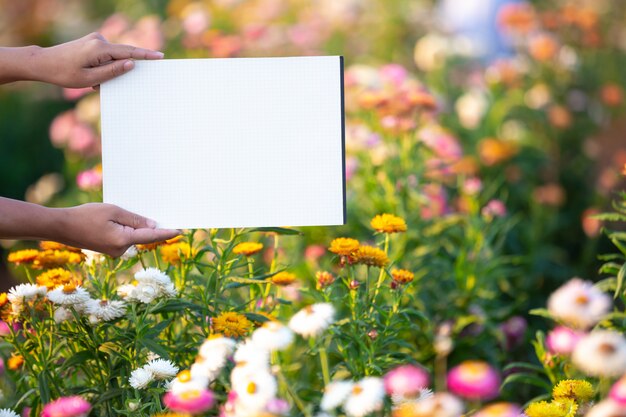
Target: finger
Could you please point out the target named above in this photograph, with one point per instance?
(126, 218)
(109, 71)
(117, 51)
(144, 236)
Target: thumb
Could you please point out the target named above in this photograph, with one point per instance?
(111, 70)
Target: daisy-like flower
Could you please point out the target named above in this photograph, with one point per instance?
(247, 248)
(249, 354)
(388, 223)
(69, 295)
(272, 335)
(153, 275)
(214, 352)
(606, 408)
(601, 353)
(499, 410)
(231, 324)
(284, 278)
(185, 382)
(151, 284)
(106, 310)
(573, 389)
(192, 401)
(24, 256)
(562, 340)
(62, 314)
(406, 380)
(401, 276)
(370, 256)
(344, 246)
(335, 394)
(324, 279)
(73, 406)
(56, 258)
(475, 380)
(440, 404)
(140, 378)
(25, 292)
(579, 304)
(312, 320)
(126, 291)
(365, 397)
(161, 369)
(5, 412)
(564, 408)
(53, 278)
(254, 389)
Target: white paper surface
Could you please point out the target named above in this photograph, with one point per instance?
(244, 142)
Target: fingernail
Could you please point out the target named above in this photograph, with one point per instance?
(128, 65)
(159, 54)
(151, 224)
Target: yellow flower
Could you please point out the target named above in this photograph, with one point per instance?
(53, 258)
(371, 256)
(151, 246)
(4, 299)
(247, 248)
(50, 245)
(552, 409)
(388, 223)
(172, 253)
(52, 278)
(231, 324)
(402, 276)
(324, 279)
(573, 389)
(23, 256)
(15, 362)
(344, 246)
(284, 278)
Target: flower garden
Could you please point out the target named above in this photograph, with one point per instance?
(481, 271)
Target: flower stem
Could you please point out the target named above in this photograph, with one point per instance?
(324, 363)
(381, 275)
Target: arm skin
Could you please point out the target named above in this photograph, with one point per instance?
(85, 62)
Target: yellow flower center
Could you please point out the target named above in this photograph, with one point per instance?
(252, 388)
(184, 376)
(190, 395)
(357, 390)
(69, 288)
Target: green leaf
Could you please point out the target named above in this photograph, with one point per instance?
(278, 230)
(527, 379)
(110, 348)
(44, 387)
(541, 312)
(620, 281)
(174, 305)
(77, 359)
(525, 366)
(256, 317)
(153, 346)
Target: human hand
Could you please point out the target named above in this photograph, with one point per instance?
(86, 62)
(107, 228)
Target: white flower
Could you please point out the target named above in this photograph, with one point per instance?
(92, 258)
(130, 253)
(254, 390)
(272, 336)
(312, 320)
(153, 275)
(601, 353)
(126, 292)
(335, 394)
(579, 304)
(162, 369)
(251, 355)
(440, 404)
(607, 408)
(5, 412)
(216, 350)
(365, 397)
(72, 296)
(146, 292)
(106, 310)
(471, 108)
(140, 378)
(185, 382)
(25, 292)
(151, 284)
(424, 394)
(62, 314)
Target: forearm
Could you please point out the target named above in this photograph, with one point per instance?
(19, 64)
(20, 220)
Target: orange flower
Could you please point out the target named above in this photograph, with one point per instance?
(371, 256)
(50, 245)
(284, 278)
(56, 258)
(344, 246)
(543, 47)
(231, 324)
(15, 362)
(247, 248)
(324, 279)
(559, 117)
(152, 246)
(23, 256)
(388, 223)
(612, 95)
(518, 18)
(173, 253)
(52, 278)
(402, 276)
(493, 151)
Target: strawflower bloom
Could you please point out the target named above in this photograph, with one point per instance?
(441, 404)
(15, 362)
(73, 406)
(562, 340)
(69, 295)
(284, 278)
(388, 223)
(573, 389)
(152, 246)
(185, 381)
(552, 409)
(105, 310)
(231, 324)
(161, 369)
(215, 351)
(324, 279)
(192, 401)
(335, 394)
(366, 397)
(5, 412)
(247, 248)
(24, 256)
(52, 278)
(401, 276)
(50, 245)
(255, 389)
(579, 304)
(344, 246)
(140, 378)
(313, 319)
(173, 253)
(406, 380)
(272, 335)
(474, 380)
(371, 256)
(499, 410)
(601, 353)
(618, 391)
(56, 258)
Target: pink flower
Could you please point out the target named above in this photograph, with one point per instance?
(436, 201)
(26, 412)
(61, 128)
(76, 93)
(352, 164)
(277, 406)
(313, 252)
(618, 391)
(82, 139)
(494, 208)
(472, 186)
(73, 406)
(90, 179)
(5, 330)
(499, 410)
(562, 340)
(394, 74)
(192, 401)
(442, 143)
(406, 380)
(474, 380)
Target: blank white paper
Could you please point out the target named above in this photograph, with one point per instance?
(212, 143)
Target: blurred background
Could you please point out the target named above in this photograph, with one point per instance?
(519, 107)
